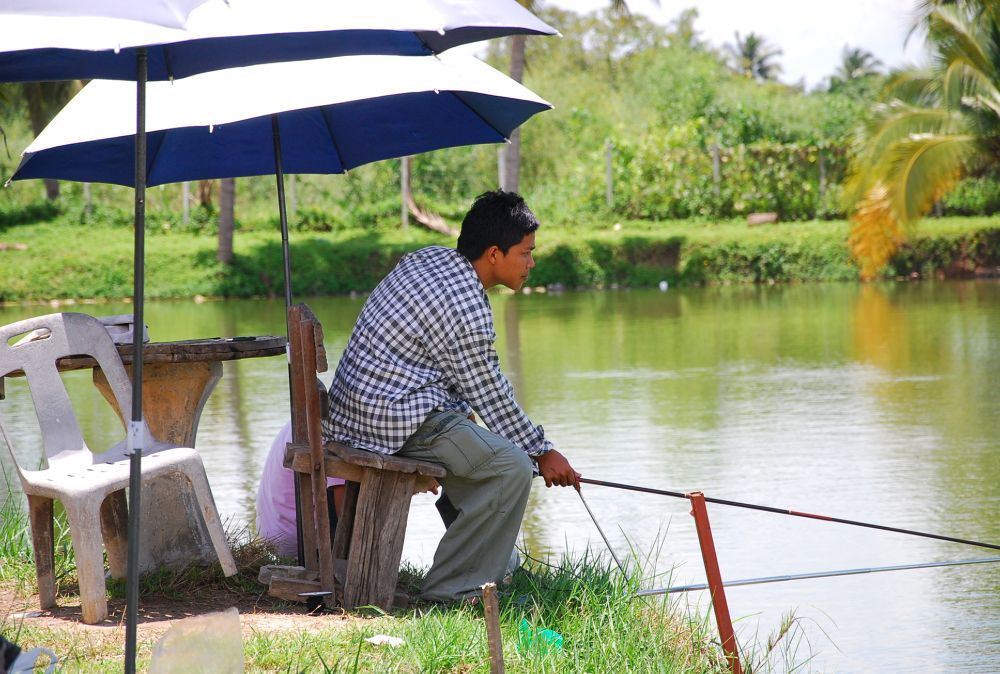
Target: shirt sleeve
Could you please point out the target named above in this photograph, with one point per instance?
(473, 369)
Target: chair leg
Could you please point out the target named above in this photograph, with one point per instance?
(85, 528)
(43, 543)
(114, 524)
(206, 504)
(377, 540)
(308, 514)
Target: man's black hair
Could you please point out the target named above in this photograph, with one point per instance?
(498, 219)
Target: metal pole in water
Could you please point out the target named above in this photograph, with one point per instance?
(719, 603)
(815, 574)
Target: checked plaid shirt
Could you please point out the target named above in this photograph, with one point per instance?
(424, 342)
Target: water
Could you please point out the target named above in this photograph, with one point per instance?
(874, 403)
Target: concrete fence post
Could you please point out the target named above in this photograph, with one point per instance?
(716, 168)
(404, 188)
(87, 200)
(609, 186)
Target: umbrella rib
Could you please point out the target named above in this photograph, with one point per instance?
(333, 139)
(458, 95)
(151, 157)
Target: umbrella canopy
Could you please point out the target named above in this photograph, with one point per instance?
(169, 13)
(230, 33)
(333, 114)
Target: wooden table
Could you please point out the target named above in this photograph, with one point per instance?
(178, 378)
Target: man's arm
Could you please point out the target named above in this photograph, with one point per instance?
(473, 368)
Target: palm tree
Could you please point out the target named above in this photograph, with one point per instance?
(510, 174)
(856, 63)
(931, 129)
(754, 57)
(682, 32)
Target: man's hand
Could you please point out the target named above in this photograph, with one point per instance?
(555, 469)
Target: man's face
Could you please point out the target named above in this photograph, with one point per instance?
(512, 269)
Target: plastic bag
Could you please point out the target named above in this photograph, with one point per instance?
(209, 643)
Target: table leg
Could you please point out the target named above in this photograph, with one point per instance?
(172, 531)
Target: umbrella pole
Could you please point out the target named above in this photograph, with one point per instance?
(135, 435)
(286, 257)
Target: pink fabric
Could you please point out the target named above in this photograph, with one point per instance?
(276, 497)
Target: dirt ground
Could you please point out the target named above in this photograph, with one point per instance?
(258, 613)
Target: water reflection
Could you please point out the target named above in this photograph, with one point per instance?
(875, 403)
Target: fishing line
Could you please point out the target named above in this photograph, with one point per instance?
(816, 574)
(601, 531)
(794, 513)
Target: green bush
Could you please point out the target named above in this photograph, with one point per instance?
(658, 179)
(973, 196)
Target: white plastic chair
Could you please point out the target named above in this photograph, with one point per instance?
(90, 486)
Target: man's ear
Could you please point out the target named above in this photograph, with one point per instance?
(491, 254)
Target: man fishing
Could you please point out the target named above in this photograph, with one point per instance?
(420, 363)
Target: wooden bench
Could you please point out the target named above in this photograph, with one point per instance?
(363, 559)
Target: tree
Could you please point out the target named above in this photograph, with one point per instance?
(931, 129)
(856, 63)
(510, 173)
(44, 100)
(753, 57)
(681, 31)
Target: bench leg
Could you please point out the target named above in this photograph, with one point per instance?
(345, 523)
(377, 540)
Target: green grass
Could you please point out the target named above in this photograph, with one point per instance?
(586, 600)
(67, 259)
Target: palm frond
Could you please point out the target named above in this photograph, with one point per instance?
(922, 168)
(916, 87)
(966, 87)
(891, 125)
(875, 232)
(956, 40)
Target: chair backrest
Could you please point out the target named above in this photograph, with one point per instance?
(308, 357)
(33, 346)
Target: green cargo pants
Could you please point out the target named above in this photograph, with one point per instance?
(488, 482)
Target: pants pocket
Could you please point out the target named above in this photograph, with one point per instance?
(471, 447)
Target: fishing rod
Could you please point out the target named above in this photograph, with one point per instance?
(621, 567)
(816, 574)
(795, 513)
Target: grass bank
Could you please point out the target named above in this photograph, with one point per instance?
(46, 254)
(603, 627)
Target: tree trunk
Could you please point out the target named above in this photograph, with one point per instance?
(205, 193)
(36, 94)
(51, 189)
(511, 178)
(227, 200)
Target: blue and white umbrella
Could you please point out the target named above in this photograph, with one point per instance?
(333, 114)
(50, 40)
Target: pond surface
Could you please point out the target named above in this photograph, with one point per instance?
(871, 403)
